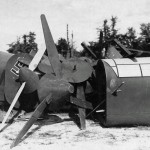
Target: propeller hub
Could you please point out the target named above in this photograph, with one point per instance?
(59, 88)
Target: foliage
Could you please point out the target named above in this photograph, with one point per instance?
(128, 39)
(24, 44)
(106, 29)
(62, 47)
(145, 30)
(113, 27)
(107, 32)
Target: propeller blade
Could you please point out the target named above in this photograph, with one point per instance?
(33, 118)
(12, 105)
(36, 59)
(51, 48)
(34, 63)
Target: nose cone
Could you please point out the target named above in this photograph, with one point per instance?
(62, 88)
(31, 79)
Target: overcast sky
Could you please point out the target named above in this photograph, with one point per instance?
(18, 17)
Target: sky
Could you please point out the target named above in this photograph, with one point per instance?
(18, 17)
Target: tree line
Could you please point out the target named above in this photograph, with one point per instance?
(106, 33)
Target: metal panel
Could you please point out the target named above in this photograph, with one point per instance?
(145, 69)
(128, 103)
(110, 62)
(129, 70)
(115, 70)
(125, 61)
(113, 53)
(130, 106)
(144, 60)
(128, 61)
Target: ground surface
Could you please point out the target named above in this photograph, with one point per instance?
(65, 135)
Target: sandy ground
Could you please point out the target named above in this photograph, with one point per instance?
(65, 135)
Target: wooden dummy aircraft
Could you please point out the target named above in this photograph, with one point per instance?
(119, 85)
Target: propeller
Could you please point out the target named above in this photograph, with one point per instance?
(57, 85)
(80, 72)
(58, 90)
(34, 63)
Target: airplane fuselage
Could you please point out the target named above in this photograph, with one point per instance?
(4, 57)
(124, 84)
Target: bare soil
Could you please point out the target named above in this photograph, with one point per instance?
(59, 132)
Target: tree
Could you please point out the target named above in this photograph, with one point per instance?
(131, 36)
(109, 30)
(145, 30)
(105, 33)
(62, 47)
(128, 39)
(144, 39)
(106, 29)
(24, 45)
(113, 32)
